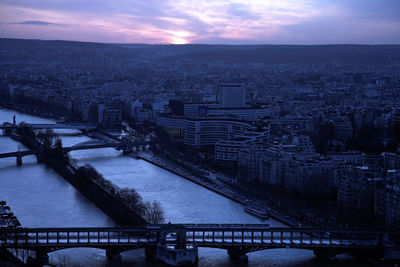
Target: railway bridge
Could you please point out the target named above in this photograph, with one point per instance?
(177, 244)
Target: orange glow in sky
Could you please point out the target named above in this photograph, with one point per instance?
(177, 40)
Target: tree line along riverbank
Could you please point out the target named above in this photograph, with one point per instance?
(125, 206)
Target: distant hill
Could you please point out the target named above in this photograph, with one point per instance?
(275, 54)
(15, 50)
(166, 50)
(39, 50)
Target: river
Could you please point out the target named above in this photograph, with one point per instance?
(41, 198)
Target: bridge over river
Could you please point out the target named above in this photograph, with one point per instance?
(178, 243)
(78, 126)
(126, 147)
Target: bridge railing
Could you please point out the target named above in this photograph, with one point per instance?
(207, 235)
(76, 236)
(284, 237)
(189, 226)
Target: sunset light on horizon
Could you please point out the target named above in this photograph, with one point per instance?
(212, 22)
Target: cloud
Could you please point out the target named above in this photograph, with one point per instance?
(244, 21)
(371, 9)
(353, 21)
(39, 22)
(164, 21)
(204, 21)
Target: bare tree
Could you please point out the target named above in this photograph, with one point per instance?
(154, 212)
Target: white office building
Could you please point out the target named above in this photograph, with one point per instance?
(209, 130)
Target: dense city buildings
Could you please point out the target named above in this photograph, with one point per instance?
(200, 133)
(313, 128)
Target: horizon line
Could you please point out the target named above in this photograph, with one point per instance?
(171, 44)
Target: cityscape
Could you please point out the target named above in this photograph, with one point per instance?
(199, 149)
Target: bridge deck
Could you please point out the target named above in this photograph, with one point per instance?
(18, 153)
(54, 126)
(202, 236)
(65, 149)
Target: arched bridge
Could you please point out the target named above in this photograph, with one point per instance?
(92, 145)
(18, 154)
(126, 147)
(237, 238)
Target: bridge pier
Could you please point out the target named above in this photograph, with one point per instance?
(113, 255)
(177, 253)
(326, 254)
(19, 160)
(238, 254)
(41, 155)
(173, 256)
(41, 259)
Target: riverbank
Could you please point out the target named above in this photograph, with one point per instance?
(209, 183)
(84, 181)
(100, 196)
(183, 173)
(215, 186)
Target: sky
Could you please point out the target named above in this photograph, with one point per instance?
(205, 22)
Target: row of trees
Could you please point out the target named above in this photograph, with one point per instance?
(152, 212)
(51, 144)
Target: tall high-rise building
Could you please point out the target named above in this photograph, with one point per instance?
(232, 96)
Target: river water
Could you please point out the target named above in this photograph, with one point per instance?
(41, 198)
